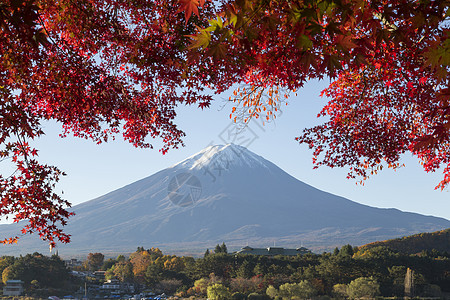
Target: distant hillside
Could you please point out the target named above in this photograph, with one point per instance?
(439, 240)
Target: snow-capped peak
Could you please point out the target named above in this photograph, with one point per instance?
(225, 156)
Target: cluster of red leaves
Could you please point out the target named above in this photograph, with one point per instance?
(375, 115)
(389, 59)
(396, 101)
(98, 68)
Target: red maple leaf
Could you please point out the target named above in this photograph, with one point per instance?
(189, 7)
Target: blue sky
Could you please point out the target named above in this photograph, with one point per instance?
(93, 170)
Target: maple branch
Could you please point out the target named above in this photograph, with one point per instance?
(255, 12)
(54, 43)
(362, 94)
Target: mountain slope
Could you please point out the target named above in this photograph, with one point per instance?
(227, 193)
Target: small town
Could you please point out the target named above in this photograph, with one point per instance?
(366, 272)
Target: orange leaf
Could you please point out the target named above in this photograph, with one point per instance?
(189, 7)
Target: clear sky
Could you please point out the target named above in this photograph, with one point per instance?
(94, 170)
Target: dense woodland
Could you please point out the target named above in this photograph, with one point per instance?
(42, 275)
(347, 272)
(439, 241)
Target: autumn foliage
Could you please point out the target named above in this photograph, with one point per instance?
(98, 68)
(388, 62)
(101, 68)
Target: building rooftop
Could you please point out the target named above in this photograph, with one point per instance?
(272, 251)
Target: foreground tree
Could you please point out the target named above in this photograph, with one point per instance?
(302, 290)
(109, 66)
(218, 291)
(122, 271)
(363, 288)
(98, 68)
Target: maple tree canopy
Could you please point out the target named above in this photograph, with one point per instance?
(118, 66)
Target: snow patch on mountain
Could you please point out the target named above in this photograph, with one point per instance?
(223, 156)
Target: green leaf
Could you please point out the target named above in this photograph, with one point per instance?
(216, 23)
(233, 19)
(200, 40)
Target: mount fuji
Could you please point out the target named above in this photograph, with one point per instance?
(224, 193)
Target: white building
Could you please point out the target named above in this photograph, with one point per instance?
(13, 288)
(111, 284)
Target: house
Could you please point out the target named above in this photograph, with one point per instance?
(272, 251)
(100, 275)
(13, 288)
(114, 286)
(111, 284)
